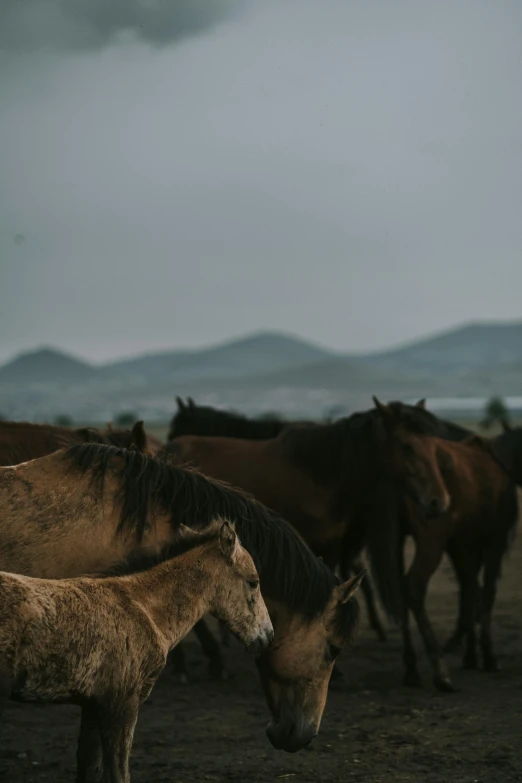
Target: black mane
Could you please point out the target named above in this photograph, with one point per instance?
(149, 487)
(426, 423)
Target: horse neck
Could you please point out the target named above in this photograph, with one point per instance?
(177, 593)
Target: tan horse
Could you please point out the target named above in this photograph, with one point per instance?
(102, 643)
(85, 509)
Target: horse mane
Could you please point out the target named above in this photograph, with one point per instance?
(149, 487)
(424, 422)
(327, 451)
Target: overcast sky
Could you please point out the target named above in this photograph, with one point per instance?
(347, 170)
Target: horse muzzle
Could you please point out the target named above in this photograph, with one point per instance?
(289, 736)
(262, 642)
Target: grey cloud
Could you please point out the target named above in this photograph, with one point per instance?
(87, 24)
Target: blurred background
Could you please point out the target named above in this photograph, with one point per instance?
(274, 206)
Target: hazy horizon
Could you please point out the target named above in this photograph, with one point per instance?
(134, 353)
(348, 173)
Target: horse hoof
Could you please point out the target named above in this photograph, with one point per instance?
(412, 679)
(444, 685)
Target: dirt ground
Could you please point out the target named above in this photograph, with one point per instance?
(374, 729)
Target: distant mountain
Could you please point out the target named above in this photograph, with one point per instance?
(265, 371)
(46, 365)
(471, 347)
(264, 352)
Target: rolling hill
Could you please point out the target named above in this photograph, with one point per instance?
(46, 365)
(264, 352)
(469, 347)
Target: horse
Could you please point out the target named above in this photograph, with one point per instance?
(23, 441)
(192, 419)
(476, 532)
(319, 476)
(90, 506)
(102, 643)
(324, 479)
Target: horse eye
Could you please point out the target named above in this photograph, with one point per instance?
(335, 651)
(253, 584)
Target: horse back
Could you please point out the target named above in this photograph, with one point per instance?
(23, 441)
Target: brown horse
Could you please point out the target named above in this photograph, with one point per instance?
(193, 419)
(23, 441)
(67, 640)
(475, 533)
(82, 510)
(325, 478)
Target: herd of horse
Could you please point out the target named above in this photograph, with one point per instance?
(114, 545)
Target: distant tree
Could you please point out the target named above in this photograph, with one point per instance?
(64, 420)
(495, 412)
(125, 419)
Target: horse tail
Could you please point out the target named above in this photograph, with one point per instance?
(384, 541)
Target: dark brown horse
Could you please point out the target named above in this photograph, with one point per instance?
(193, 419)
(84, 509)
(21, 441)
(475, 533)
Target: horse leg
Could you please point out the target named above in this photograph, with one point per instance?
(491, 575)
(117, 722)
(179, 663)
(211, 649)
(355, 567)
(411, 674)
(224, 634)
(6, 682)
(89, 758)
(466, 567)
(423, 567)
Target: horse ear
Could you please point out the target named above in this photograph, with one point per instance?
(385, 411)
(139, 437)
(506, 426)
(110, 428)
(228, 541)
(181, 404)
(347, 590)
(421, 404)
(191, 402)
